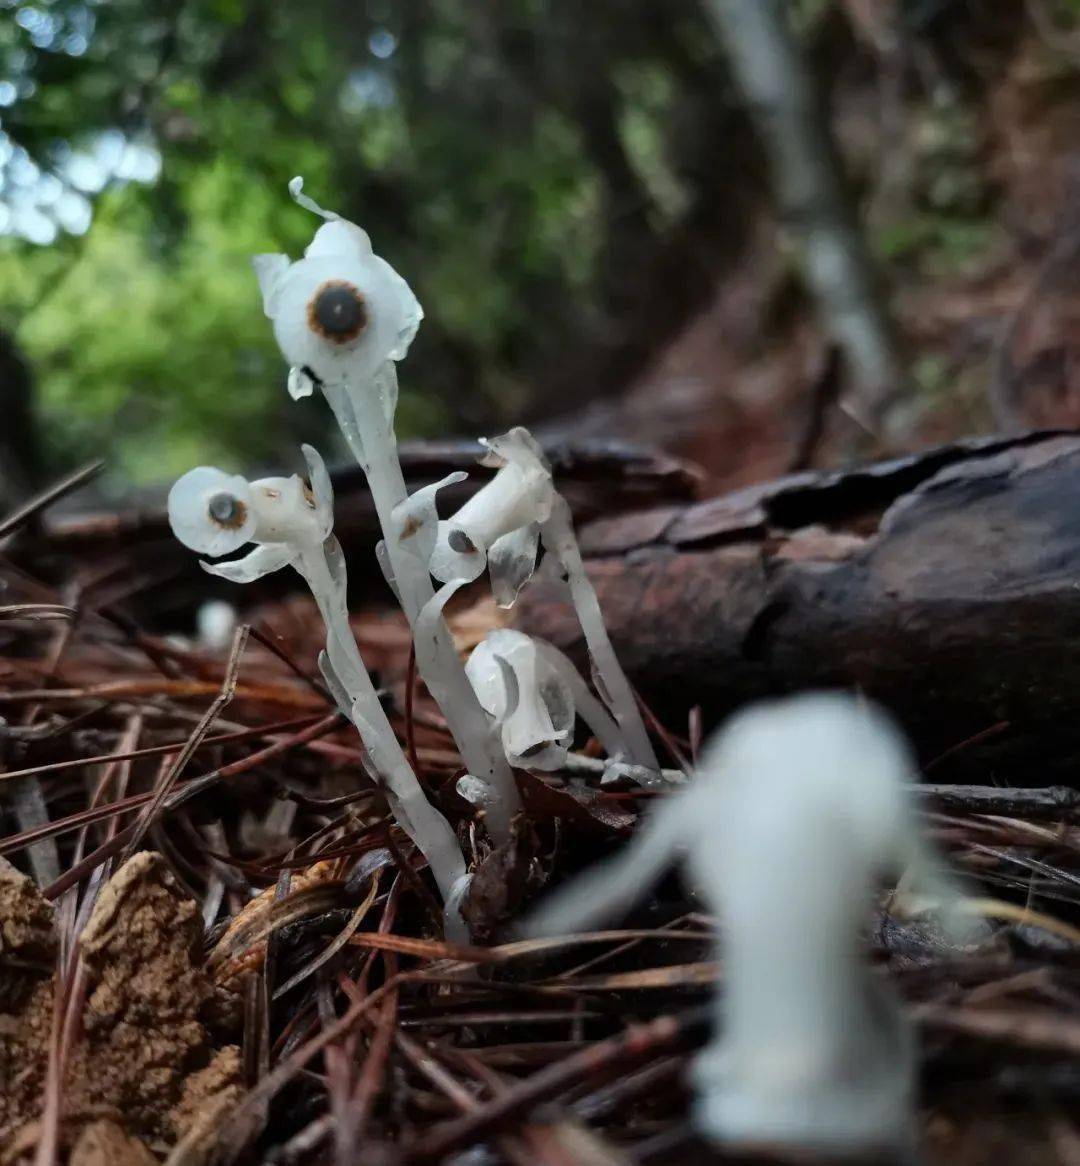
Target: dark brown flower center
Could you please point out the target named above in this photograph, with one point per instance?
(338, 312)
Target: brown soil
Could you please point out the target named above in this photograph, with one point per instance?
(144, 1066)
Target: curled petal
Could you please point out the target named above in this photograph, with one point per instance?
(296, 190)
(211, 512)
(321, 488)
(337, 236)
(269, 270)
(511, 562)
(299, 384)
(416, 520)
(410, 312)
(509, 507)
(261, 561)
(474, 790)
(516, 446)
(529, 699)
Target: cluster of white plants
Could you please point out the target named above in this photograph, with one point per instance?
(799, 809)
(343, 318)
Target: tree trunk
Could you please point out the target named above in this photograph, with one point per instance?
(807, 178)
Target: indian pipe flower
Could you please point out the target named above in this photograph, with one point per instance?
(534, 694)
(215, 513)
(798, 811)
(341, 312)
(499, 527)
(291, 525)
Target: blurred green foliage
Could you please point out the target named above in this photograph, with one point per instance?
(497, 156)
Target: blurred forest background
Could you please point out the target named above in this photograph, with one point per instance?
(582, 195)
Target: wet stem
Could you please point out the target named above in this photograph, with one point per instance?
(363, 420)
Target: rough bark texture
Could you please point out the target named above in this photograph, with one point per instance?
(944, 584)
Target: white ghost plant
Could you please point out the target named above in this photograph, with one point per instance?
(291, 524)
(534, 693)
(500, 528)
(798, 810)
(341, 312)
(342, 317)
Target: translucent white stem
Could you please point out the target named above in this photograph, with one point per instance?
(365, 414)
(424, 824)
(559, 539)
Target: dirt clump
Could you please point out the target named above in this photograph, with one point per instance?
(144, 1066)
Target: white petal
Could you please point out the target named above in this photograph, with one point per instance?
(321, 487)
(340, 238)
(261, 561)
(447, 562)
(268, 271)
(527, 698)
(409, 311)
(511, 562)
(299, 383)
(486, 677)
(416, 520)
(474, 790)
(190, 517)
(337, 236)
(284, 512)
(518, 446)
(296, 190)
(390, 313)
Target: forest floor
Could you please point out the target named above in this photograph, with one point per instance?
(237, 956)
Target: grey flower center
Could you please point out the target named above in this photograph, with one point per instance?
(459, 541)
(226, 510)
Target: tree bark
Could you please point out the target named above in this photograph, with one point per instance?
(946, 585)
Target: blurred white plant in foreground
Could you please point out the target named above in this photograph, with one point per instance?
(799, 809)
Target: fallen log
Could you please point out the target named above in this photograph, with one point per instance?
(944, 584)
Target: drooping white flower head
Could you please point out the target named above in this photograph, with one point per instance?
(499, 527)
(341, 312)
(526, 695)
(214, 513)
